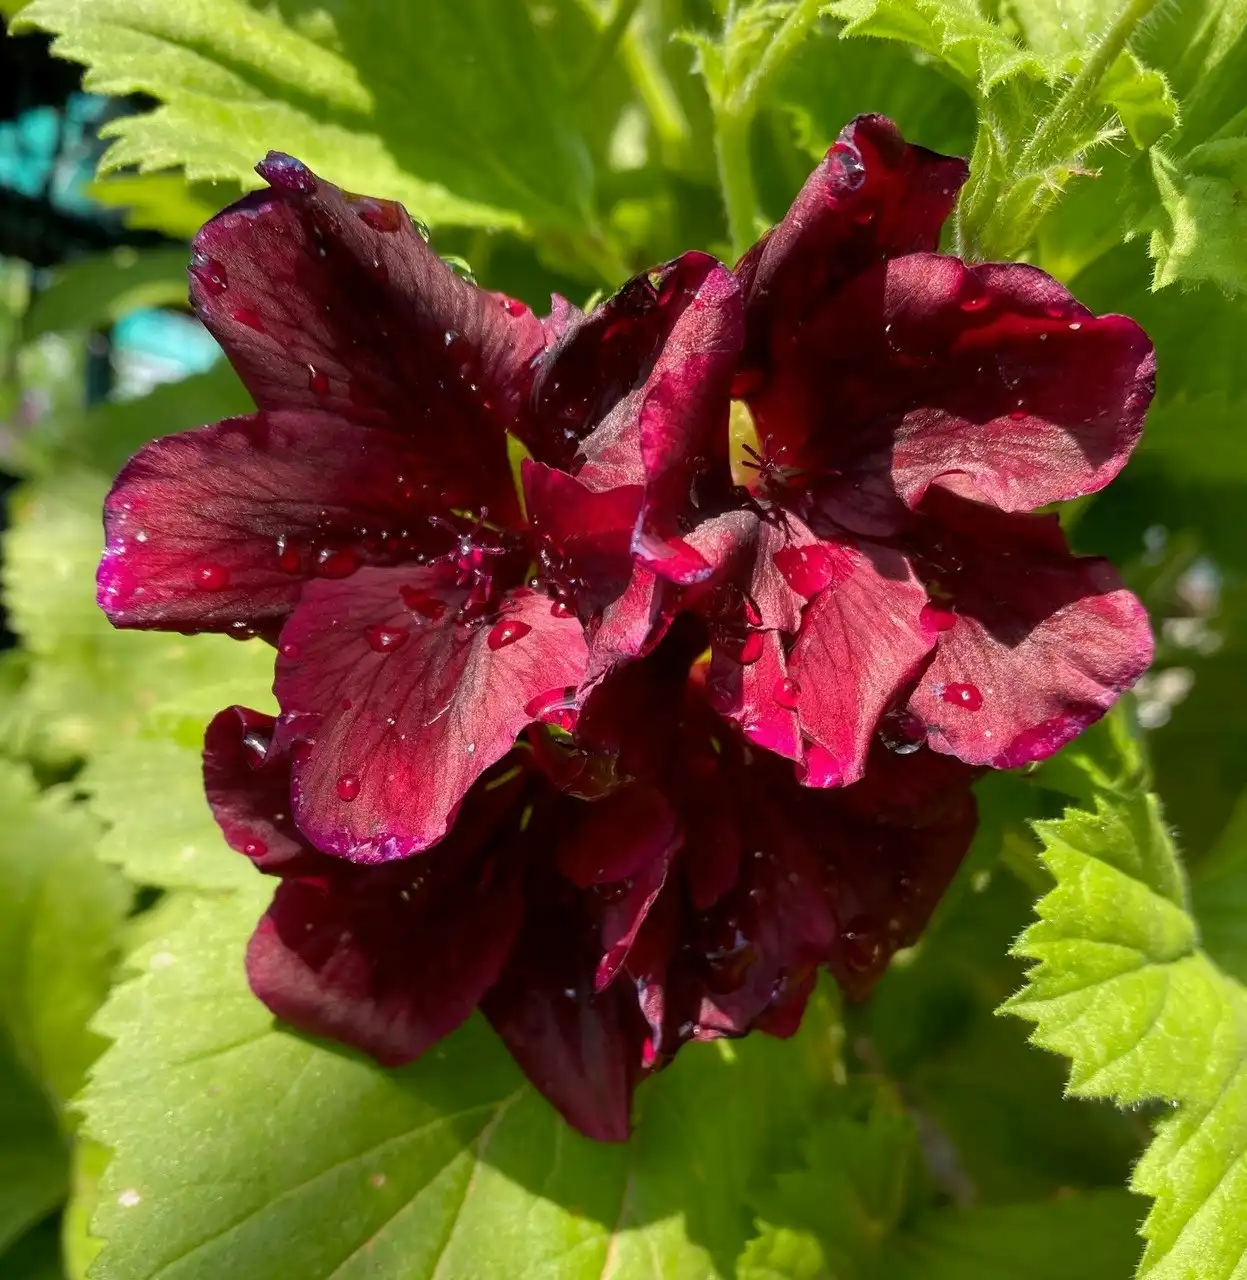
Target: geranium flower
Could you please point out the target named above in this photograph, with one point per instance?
(908, 411)
(365, 517)
(693, 901)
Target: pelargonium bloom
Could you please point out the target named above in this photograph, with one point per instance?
(695, 900)
(911, 411)
(365, 516)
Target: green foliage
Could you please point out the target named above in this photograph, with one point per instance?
(353, 93)
(240, 1146)
(561, 144)
(60, 918)
(859, 1209)
(1122, 988)
(94, 292)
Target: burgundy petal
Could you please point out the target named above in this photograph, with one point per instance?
(247, 780)
(584, 535)
(873, 196)
(886, 873)
(639, 390)
(1034, 643)
(990, 380)
(616, 837)
(389, 959)
(219, 529)
(581, 1047)
(861, 640)
(398, 703)
(325, 301)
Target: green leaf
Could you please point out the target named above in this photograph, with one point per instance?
(60, 920)
(956, 32)
(1203, 222)
(162, 201)
(1219, 895)
(149, 792)
(452, 107)
(1123, 990)
(858, 1209)
(239, 1147)
(103, 437)
(33, 1157)
(1090, 1236)
(36, 1256)
(79, 1246)
(86, 682)
(94, 292)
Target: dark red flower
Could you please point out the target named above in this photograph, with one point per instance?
(695, 897)
(907, 409)
(365, 518)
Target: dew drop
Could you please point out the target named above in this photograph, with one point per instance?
(420, 228)
(336, 564)
(317, 380)
(129, 1198)
(752, 649)
(863, 217)
(963, 695)
(807, 570)
(211, 577)
(902, 732)
(753, 615)
(288, 560)
(471, 748)
(424, 603)
(513, 306)
(380, 215)
(861, 944)
(786, 692)
(649, 1053)
(211, 274)
(255, 848)
(1017, 415)
(385, 639)
(288, 649)
(933, 618)
(347, 787)
(976, 302)
(245, 315)
(506, 632)
(450, 337)
(561, 609)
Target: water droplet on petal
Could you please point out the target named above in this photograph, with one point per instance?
(506, 632)
(289, 560)
(255, 848)
(513, 306)
(751, 649)
(807, 570)
(211, 577)
(336, 564)
(288, 649)
(649, 1053)
(963, 695)
(1018, 414)
(380, 215)
(424, 603)
(561, 609)
(347, 787)
(245, 315)
(210, 274)
(936, 619)
(385, 639)
(753, 615)
(861, 944)
(786, 692)
(317, 380)
(1075, 327)
(977, 301)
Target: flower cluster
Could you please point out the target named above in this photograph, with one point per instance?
(633, 665)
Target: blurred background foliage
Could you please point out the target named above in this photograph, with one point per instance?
(560, 145)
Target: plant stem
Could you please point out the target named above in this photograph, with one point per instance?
(781, 46)
(1082, 88)
(734, 115)
(655, 91)
(740, 198)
